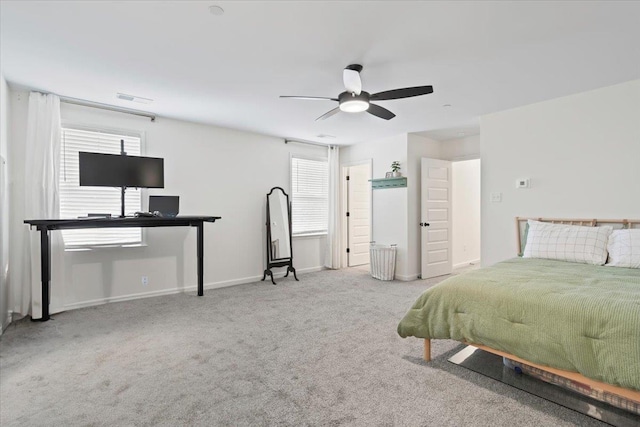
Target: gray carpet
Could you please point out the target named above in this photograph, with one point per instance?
(321, 352)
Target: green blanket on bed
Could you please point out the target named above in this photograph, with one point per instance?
(570, 316)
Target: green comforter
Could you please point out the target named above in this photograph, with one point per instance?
(570, 316)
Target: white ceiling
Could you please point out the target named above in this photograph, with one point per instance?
(228, 70)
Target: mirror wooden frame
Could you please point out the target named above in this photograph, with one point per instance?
(278, 262)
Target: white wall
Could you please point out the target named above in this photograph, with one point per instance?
(466, 212)
(458, 149)
(215, 171)
(389, 206)
(4, 199)
(581, 152)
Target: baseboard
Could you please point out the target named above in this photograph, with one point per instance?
(408, 278)
(5, 324)
(177, 290)
(466, 263)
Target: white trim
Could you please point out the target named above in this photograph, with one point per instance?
(4, 325)
(71, 124)
(408, 278)
(86, 248)
(305, 157)
(466, 263)
(177, 290)
(303, 235)
(475, 156)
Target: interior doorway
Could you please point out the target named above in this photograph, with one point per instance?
(357, 212)
(466, 213)
(450, 215)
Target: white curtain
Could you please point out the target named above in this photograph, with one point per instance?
(41, 201)
(332, 256)
(4, 231)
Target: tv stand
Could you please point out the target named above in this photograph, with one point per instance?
(44, 226)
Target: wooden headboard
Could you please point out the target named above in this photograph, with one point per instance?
(615, 223)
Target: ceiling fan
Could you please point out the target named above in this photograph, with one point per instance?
(355, 100)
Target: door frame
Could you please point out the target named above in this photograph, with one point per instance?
(344, 194)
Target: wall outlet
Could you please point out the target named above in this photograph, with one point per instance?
(145, 280)
(496, 197)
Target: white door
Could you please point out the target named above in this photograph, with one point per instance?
(358, 214)
(436, 217)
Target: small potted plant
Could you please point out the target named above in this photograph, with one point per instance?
(395, 168)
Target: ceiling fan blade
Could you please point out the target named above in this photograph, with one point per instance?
(329, 114)
(351, 78)
(406, 92)
(381, 112)
(311, 98)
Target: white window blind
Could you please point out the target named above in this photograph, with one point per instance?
(76, 201)
(309, 195)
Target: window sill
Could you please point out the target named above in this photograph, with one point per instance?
(324, 233)
(87, 248)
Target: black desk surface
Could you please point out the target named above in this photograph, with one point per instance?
(101, 222)
(44, 226)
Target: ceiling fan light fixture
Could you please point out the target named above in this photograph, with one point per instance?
(354, 106)
(356, 100)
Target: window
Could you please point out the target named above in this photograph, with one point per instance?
(76, 201)
(309, 195)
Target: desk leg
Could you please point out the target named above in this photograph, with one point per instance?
(200, 227)
(45, 271)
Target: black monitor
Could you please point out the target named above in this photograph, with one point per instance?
(114, 170)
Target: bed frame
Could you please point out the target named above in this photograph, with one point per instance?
(596, 386)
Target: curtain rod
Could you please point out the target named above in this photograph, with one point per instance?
(92, 104)
(318, 144)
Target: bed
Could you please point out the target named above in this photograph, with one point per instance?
(578, 321)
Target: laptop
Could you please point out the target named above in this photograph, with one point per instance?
(167, 206)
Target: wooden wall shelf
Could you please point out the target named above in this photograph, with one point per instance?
(380, 183)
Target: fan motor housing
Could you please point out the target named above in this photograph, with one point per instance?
(348, 96)
(352, 103)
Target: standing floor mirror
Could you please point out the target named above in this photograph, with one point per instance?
(279, 252)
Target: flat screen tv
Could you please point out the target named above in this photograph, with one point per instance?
(114, 170)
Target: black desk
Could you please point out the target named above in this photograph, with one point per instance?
(46, 225)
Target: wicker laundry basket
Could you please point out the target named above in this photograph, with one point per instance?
(383, 261)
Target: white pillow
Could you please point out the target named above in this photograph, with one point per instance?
(574, 243)
(624, 248)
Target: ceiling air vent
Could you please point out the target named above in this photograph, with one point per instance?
(133, 98)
